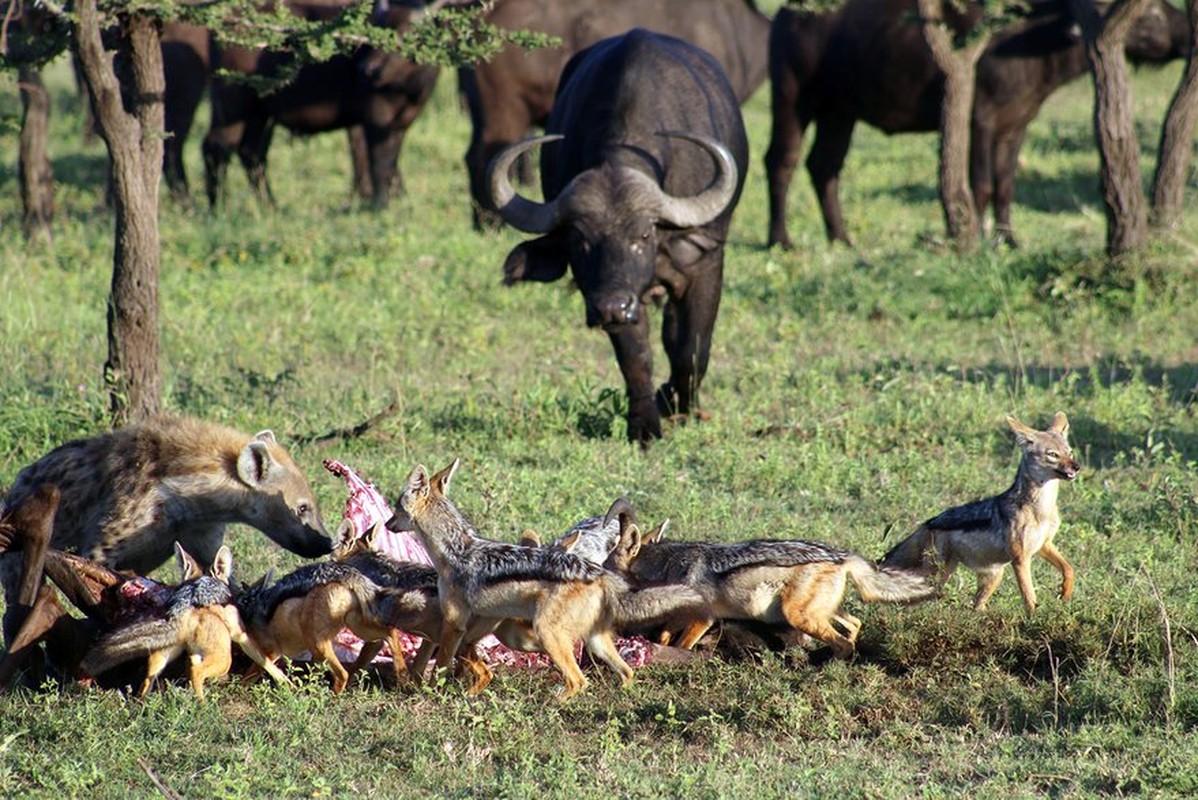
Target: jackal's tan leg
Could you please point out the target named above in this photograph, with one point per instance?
(212, 663)
(560, 648)
(811, 604)
(1023, 574)
(482, 673)
(988, 581)
(398, 662)
(1053, 556)
(693, 632)
(814, 624)
(423, 655)
(155, 665)
(602, 647)
(851, 625)
(322, 649)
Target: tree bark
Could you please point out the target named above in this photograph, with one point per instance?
(1177, 136)
(1114, 127)
(134, 141)
(960, 68)
(34, 171)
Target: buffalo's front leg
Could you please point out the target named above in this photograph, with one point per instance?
(631, 342)
(687, 325)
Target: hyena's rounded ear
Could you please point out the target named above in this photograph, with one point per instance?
(255, 462)
(1059, 424)
(441, 481)
(222, 565)
(189, 568)
(266, 436)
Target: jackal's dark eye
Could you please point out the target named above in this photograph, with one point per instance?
(303, 510)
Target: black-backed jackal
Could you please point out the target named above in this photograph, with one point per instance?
(1009, 528)
(779, 582)
(200, 620)
(482, 582)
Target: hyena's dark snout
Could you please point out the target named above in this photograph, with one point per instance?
(309, 545)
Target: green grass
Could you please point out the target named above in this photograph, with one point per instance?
(852, 393)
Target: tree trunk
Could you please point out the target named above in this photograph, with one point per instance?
(1118, 147)
(34, 172)
(134, 142)
(1177, 135)
(959, 67)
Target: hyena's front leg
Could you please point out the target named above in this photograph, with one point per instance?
(1053, 556)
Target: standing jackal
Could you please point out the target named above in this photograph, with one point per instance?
(482, 582)
(791, 582)
(1009, 528)
(127, 496)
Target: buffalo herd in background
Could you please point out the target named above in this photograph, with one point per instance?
(646, 153)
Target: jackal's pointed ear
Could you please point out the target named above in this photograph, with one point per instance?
(569, 541)
(1024, 435)
(630, 540)
(657, 534)
(222, 565)
(189, 568)
(441, 481)
(256, 462)
(417, 483)
(346, 533)
(373, 537)
(529, 538)
(1060, 424)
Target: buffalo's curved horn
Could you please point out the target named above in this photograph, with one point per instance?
(518, 211)
(621, 508)
(690, 212)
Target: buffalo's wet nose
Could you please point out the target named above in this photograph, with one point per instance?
(619, 308)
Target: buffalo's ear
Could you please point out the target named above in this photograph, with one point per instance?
(689, 247)
(542, 259)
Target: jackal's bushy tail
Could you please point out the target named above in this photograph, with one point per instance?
(398, 607)
(652, 604)
(911, 553)
(887, 584)
(137, 640)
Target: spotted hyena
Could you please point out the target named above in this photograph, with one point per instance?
(127, 496)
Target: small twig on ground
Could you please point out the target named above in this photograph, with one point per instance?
(1170, 671)
(341, 434)
(156, 779)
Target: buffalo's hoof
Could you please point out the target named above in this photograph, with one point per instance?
(644, 428)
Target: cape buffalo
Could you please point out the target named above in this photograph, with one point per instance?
(647, 163)
(380, 91)
(868, 61)
(514, 90)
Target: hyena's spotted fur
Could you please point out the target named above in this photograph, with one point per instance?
(129, 495)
